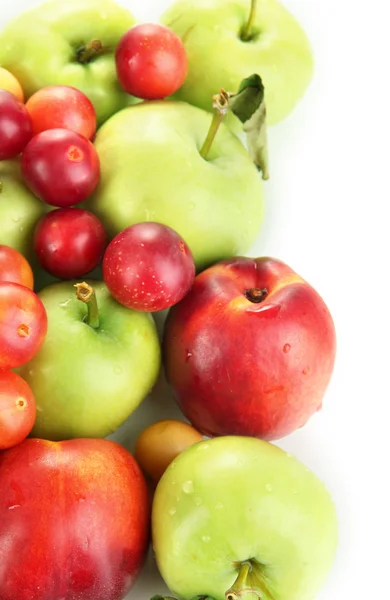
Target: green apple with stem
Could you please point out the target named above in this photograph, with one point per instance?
(69, 43)
(98, 362)
(239, 518)
(170, 162)
(226, 40)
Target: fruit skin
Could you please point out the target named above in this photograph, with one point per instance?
(15, 126)
(234, 499)
(87, 382)
(216, 205)
(62, 107)
(23, 324)
(69, 242)
(17, 409)
(160, 443)
(151, 61)
(218, 58)
(64, 26)
(60, 167)
(73, 520)
(11, 84)
(14, 267)
(19, 210)
(249, 369)
(148, 267)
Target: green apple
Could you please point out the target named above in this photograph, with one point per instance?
(20, 211)
(237, 517)
(227, 40)
(152, 169)
(98, 362)
(69, 43)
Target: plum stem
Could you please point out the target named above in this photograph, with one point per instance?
(86, 294)
(256, 295)
(249, 584)
(87, 52)
(247, 32)
(221, 107)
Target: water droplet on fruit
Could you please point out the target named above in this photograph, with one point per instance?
(188, 355)
(188, 487)
(172, 511)
(198, 501)
(13, 506)
(31, 372)
(118, 370)
(16, 220)
(65, 304)
(286, 348)
(203, 447)
(21, 229)
(206, 539)
(268, 487)
(219, 506)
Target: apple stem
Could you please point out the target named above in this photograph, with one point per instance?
(86, 293)
(247, 32)
(256, 295)
(248, 584)
(87, 52)
(221, 107)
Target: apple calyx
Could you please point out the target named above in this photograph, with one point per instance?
(249, 106)
(256, 295)
(86, 294)
(221, 107)
(87, 52)
(247, 33)
(249, 584)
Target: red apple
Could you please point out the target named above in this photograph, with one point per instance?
(250, 350)
(73, 520)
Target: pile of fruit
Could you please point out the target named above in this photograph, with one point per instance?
(132, 160)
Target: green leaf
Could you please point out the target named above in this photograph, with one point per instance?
(249, 106)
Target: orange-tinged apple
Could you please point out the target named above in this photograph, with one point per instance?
(11, 84)
(250, 350)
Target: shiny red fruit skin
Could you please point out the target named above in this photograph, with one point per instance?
(74, 520)
(60, 167)
(69, 242)
(62, 107)
(240, 368)
(17, 409)
(15, 267)
(148, 267)
(15, 126)
(151, 61)
(23, 325)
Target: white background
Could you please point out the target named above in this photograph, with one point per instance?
(327, 217)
